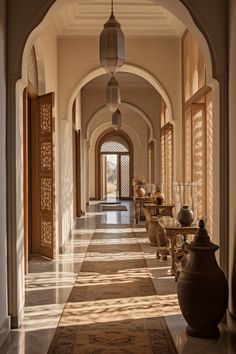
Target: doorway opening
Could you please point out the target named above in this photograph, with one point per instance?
(114, 170)
(110, 175)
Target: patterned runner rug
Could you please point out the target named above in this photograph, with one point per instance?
(113, 307)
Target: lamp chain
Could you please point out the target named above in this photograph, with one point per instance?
(112, 6)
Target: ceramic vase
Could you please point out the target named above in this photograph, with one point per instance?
(185, 216)
(140, 192)
(158, 198)
(202, 287)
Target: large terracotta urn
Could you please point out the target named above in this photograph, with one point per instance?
(202, 287)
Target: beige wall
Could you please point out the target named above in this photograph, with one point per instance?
(145, 98)
(4, 324)
(232, 161)
(78, 56)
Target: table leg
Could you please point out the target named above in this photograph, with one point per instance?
(172, 253)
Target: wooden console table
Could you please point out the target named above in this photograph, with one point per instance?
(159, 210)
(152, 212)
(171, 229)
(138, 203)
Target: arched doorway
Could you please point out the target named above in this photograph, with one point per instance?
(114, 166)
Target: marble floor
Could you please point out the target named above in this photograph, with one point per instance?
(49, 283)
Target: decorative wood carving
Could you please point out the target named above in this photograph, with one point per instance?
(46, 155)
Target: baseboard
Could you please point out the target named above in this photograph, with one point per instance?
(4, 330)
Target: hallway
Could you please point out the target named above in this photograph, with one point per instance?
(49, 284)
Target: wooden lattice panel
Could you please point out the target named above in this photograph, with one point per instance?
(46, 233)
(46, 118)
(46, 194)
(46, 155)
(125, 176)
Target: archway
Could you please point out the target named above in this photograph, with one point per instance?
(14, 141)
(142, 114)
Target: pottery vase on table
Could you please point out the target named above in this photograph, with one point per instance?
(140, 192)
(185, 216)
(158, 196)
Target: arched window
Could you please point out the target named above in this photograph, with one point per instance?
(112, 146)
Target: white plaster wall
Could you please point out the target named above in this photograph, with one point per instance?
(134, 126)
(3, 252)
(232, 161)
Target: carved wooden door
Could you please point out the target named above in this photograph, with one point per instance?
(45, 178)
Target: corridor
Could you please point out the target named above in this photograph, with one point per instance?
(111, 269)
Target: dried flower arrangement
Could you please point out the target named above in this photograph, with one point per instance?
(139, 181)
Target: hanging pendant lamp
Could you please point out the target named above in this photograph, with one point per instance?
(116, 119)
(112, 45)
(113, 94)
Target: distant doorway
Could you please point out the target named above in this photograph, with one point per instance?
(110, 176)
(114, 170)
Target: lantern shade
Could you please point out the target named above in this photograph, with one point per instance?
(112, 46)
(113, 94)
(116, 119)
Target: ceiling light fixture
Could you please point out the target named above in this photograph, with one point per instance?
(112, 45)
(116, 119)
(113, 94)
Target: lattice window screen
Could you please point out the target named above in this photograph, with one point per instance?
(163, 172)
(198, 147)
(169, 167)
(149, 164)
(209, 162)
(188, 146)
(167, 163)
(125, 176)
(111, 146)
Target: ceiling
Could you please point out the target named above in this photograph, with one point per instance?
(125, 80)
(137, 18)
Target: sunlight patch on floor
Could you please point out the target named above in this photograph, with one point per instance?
(90, 312)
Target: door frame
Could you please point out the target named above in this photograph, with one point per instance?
(108, 134)
(29, 93)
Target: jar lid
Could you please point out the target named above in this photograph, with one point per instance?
(202, 239)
